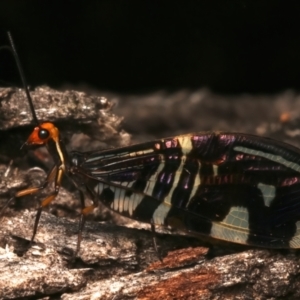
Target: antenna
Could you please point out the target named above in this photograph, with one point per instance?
(12, 48)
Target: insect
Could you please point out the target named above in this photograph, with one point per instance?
(234, 187)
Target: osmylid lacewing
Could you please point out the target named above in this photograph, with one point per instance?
(235, 187)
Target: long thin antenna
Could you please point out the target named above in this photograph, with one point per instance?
(15, 54)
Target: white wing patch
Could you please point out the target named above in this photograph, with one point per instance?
(234, 227)
(268, 192)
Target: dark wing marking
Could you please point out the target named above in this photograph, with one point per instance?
(238, 188)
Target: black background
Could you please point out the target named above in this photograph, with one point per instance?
(135, 46)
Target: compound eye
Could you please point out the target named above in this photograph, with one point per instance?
(43, 134)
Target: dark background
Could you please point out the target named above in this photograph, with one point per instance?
(237, 46)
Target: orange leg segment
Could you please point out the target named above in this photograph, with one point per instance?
(32, 190)
(47, 200)
(84, 212)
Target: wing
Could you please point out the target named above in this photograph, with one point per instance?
(235, 187)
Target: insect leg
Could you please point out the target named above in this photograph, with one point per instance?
(84, 212)
(81, 222)
(154, 239)
(48, 200)
(32, 190)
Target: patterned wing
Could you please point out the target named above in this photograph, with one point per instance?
(234, 187)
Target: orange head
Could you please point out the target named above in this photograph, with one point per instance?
(42, 134)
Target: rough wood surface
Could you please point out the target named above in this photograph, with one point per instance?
(50, 105)
(120, 263)
(116, 262)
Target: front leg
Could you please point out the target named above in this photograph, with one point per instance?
(49, 199)
(32, 190)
